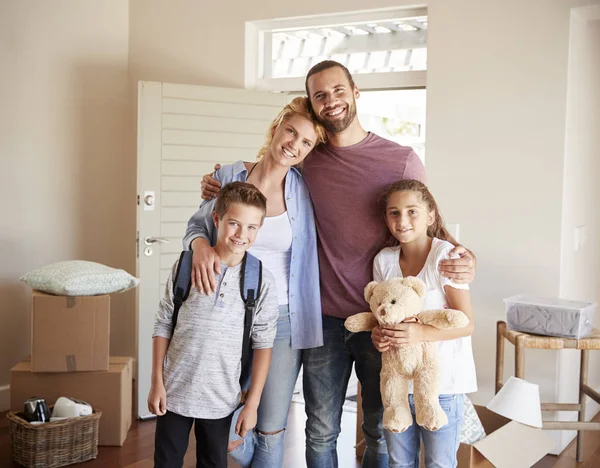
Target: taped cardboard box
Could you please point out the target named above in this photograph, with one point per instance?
(70, 333)
(110, 392)
(508, 444)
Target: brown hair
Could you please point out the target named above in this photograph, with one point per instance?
(437, 229)
(299, 107)
(239, 192)
(326, 65)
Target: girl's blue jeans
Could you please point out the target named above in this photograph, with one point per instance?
(440, 446)
(263, 448)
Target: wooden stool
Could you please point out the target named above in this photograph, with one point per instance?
(521, 341)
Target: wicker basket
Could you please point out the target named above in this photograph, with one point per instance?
(54, 444)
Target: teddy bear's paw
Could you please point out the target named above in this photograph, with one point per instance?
(432, 417)
(456, 318)
(397, 419)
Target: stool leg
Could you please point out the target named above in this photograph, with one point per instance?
(500, 327)
(583, 376)
(520, 357)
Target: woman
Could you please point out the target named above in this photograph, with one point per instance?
(287, 246)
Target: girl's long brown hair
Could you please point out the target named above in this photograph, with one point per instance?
(437, 229)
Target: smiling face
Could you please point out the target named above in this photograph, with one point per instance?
(292, 141)
(333, 99)
(237, 228)
(407, 216)
(395, 300)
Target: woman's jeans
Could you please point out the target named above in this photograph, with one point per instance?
(260, 450)
(440, 446)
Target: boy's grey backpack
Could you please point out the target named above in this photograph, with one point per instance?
(250, 284)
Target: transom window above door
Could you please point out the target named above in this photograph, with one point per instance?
(390, 43)
(384, 46)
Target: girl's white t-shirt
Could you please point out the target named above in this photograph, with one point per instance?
(456, 356)
(273, 247)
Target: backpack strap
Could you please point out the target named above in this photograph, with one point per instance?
(181, 284)
(250, 284)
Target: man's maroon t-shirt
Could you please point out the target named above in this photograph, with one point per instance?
(345, 183)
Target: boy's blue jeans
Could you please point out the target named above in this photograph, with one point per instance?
(261, 450)
(440, 446)
(326, 373)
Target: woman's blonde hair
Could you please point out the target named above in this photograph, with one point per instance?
(299, 107)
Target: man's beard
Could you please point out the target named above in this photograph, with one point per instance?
(337, 126)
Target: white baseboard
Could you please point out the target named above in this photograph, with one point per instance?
(4, 397)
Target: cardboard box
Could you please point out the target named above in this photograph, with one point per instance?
(109, 392)
(507, 444)
(70, 333)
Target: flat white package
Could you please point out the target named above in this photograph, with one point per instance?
(549, 316)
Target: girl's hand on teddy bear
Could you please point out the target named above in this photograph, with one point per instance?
(379, 339)
(405, 334)
(412, 333)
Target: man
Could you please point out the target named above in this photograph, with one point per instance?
(345, 177)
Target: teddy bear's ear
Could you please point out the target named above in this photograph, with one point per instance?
(416, 284)
(369, 290)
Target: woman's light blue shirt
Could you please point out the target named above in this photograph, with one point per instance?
(303, 292)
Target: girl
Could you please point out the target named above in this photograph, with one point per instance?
(287, 246)
(419, 242)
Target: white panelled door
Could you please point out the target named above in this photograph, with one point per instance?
(182, 132)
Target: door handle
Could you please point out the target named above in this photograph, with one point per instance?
(154, 240)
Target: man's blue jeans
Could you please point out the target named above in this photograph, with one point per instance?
(326, 373)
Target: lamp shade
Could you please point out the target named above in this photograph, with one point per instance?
(518, 400)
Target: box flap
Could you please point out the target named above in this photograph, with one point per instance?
(120, 359)
(515, 446)
(491, 421)
(24, 366)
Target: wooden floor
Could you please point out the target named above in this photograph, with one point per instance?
(138, 449)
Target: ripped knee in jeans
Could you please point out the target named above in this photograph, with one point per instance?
(270, 433)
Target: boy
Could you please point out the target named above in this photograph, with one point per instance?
(195, 375)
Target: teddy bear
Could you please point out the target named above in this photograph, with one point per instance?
(401, 300)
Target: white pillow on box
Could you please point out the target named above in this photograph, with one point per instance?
(79, 278)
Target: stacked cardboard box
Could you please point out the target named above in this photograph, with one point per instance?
(70, 340)
(69, 334)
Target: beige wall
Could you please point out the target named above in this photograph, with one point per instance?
(67, 161)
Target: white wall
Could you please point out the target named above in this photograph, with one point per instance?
(67, 162)
(580, 269)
